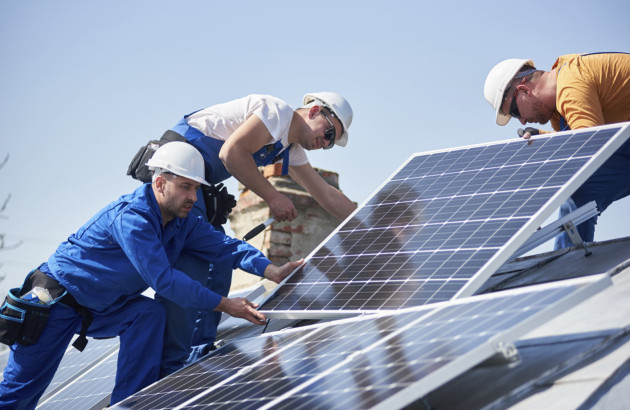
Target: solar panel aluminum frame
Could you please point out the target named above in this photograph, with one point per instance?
(503, 254)
(585, 288)
(317, 314)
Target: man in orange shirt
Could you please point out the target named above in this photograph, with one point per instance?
(580, 90)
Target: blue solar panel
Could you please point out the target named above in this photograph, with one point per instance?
(442, 224)
(83, 378)
(382, 360)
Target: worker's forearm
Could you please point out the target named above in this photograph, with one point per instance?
(338, 204)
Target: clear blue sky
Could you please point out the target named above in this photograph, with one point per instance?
(83, 84)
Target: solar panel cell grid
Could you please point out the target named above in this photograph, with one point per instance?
(364, 362)
(188, 382)
(295, 364)
(93, 386)
(83, 378)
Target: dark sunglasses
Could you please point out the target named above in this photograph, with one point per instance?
(330, 133)
(514, 112)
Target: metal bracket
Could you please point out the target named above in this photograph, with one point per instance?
(506, 353)
(575, 237)
(566, 223)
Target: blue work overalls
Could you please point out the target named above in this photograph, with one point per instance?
(106, 265)
(185, 327)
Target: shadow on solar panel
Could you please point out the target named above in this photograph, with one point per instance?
(442, 224)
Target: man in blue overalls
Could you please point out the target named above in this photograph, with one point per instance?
(580, 90)
(101, 271)
(235, 138)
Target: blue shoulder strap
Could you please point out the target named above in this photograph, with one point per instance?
(285, 160)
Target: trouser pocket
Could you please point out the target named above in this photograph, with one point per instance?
(22, 321)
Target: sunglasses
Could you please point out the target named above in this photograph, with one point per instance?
(330, 133)
(514, 112)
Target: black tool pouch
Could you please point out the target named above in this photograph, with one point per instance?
(211, 202)
(22, 321)
(218, 202)
(138, 167)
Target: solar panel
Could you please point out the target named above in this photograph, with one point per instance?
(441, 225)
(385, 360)
(83, 378)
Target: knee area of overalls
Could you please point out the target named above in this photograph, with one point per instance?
(151, 309)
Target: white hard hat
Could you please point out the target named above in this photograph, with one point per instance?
(339, 106)
(179, 158)
(498, 80)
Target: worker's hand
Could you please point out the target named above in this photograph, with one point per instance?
(242, 308)
(528, 132)
(282, 208)
(278, 273)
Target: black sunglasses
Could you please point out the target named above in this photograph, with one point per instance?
(514, 112)
(330, 133)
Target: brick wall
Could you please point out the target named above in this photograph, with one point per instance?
(282, 242)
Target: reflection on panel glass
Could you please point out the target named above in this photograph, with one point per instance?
(359, 363)
(435, 224)
(222, 365)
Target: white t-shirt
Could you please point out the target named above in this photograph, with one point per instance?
(221, 120)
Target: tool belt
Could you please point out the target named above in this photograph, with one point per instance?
(138, 167)
(23, 322)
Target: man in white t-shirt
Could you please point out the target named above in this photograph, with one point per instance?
(235, 138)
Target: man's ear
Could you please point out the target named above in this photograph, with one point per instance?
(314, 111)
(524, 88)
(160, 181)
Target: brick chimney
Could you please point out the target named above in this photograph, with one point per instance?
(282, 242)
